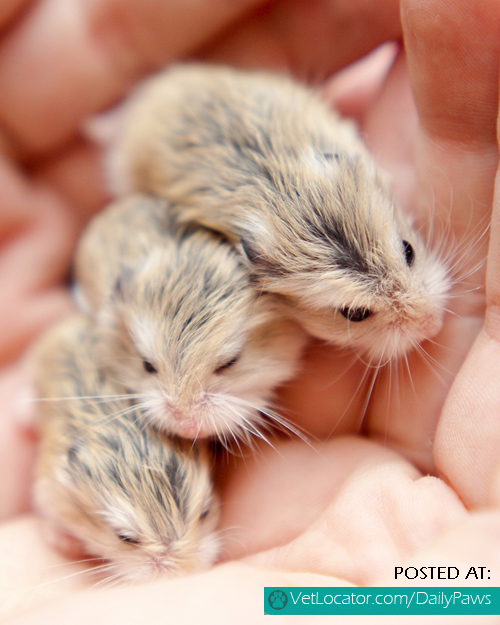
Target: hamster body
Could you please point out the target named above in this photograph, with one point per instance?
(263, 160)
(126, 492)
(185, 330)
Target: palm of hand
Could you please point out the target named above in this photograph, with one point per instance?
(358, 484)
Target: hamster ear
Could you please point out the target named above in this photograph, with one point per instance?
(248, 247)
(118, 288)
(120, 285)
(261, 264)
(255, 240)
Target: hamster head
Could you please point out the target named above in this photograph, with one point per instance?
(137, 499)
(346, 263)
(198, 345)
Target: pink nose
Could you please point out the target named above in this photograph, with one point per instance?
(182, 416)
(162, 564)
(175, 413)
(183, 422)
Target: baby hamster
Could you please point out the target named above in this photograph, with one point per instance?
(128, 493)
(185, 330)
(264, 160)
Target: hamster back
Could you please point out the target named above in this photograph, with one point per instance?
(265, 161)
(128, 493)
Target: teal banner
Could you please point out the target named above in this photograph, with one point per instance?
(381, 600)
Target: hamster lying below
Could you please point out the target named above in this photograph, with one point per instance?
(127, 493)
(182, 327)
(263, 160)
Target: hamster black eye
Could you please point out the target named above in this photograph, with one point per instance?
(409, 253)
(148, 367)
(227, 364)
(204, 514)
(128, 539)
(355, 314)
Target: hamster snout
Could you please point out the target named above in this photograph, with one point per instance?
(126, 492)
(263, 160)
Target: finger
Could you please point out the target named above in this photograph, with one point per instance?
(66, 60)
(76, 175)
(454, 79)
(9, 9)
(145, 603)
(378, 517)
(259, 509)
(473, 540)
(409, 400)
(30, 572)
(390, 128)
(468, 437)
(353, 90)
(328, 394)
(40, 255)
(453, 51)
(29, 315)
(456, 161)
(38, 232)
(310, 39)
(15, 200)
(455, 74)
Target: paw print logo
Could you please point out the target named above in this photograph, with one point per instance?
(278, 599)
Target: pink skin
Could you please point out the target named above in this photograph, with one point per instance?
(446, 423)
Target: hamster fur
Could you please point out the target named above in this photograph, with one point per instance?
(184, 330)
(128, 493)
(116, 241)
(263, 160)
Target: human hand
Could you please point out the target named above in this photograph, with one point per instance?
(449, 129)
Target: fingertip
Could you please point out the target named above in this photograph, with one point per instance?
(67, 60)
(9, 10)
(309, 39)
(453, 48)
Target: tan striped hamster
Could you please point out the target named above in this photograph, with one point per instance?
(184, 330)
(126, 492)
(264, 160)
